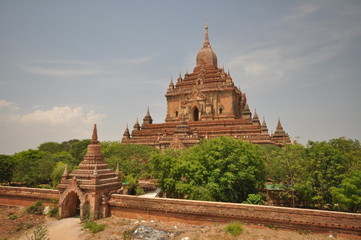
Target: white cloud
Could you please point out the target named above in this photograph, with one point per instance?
(8, 105)
(60, 116)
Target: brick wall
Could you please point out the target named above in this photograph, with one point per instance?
(22, 196)
(202, 211)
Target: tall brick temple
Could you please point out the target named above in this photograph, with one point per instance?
(204, 104)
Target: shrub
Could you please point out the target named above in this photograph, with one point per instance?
(234, 228)
(37, 208)
(13, 217)
(94, 227)
(139, 190)
(53, 212)
(254, 199)
(40, 233)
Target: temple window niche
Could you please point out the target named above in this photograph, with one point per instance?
(176, 113)
(195, 114)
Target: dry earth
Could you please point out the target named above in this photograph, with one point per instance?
(118, 228)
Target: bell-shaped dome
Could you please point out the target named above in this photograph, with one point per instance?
(206, 56)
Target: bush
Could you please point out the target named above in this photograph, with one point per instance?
(254, 199)
(13, 217)
(37, 208)
(40, 233)
(234, 228)
(139, 190)
(94, 227)
(54, 212)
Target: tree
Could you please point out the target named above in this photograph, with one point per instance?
(289, 170)
(58, 171)
(7, 168)
(224, 168)
(351, 150)
(347, 197)
(33, 167)
(324, 168)
(132, 158)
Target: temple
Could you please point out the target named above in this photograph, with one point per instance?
(204, 104)
(86, 190)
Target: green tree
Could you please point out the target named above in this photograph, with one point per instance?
(66, 158)
(290, 169)
(347, 197)
(132, 158)
(77, 148)
(7, 168)
(351, 150)
(51, 147)
(58, 171)
(33, 167)
(324, 168)
(228, 169)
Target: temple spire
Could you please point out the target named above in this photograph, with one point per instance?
(206, 37)
(95, 134)
(147, 119)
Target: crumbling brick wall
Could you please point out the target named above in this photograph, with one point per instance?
(202, 211)
(22, 196)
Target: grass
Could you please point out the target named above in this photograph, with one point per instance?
(36, 208)
(54, 212)
(94, 227)
(234, 228)
(13, 217)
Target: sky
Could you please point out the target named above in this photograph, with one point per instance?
(65, 65)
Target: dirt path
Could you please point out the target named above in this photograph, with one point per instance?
(68, 228)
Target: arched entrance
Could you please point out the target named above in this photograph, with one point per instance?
(195, 115)
(71, 205)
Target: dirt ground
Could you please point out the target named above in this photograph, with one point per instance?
(117, 228)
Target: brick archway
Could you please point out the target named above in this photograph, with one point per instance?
(71, 205)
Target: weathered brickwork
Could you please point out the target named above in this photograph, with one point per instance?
(201, 211)
(197, 212)
(21, 196)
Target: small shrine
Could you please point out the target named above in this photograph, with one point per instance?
(86, 191)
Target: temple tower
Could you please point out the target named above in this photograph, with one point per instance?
(86, 190)
(202, 104)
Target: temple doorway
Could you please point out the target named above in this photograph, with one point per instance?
(195, 114)
(71, 205)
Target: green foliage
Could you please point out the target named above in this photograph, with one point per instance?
(54, 212)
(254, 199)
(347, 197)
(94, 227)
(76, 148)
(226, 169)
(286, 166)
(132, 158)
(13, 217)
(33, 167)
(139, 190)
(127, 235)
(36, 208)
(40, 233)
(58, 171)
(234, 228)
(7, 168)
(324, 168)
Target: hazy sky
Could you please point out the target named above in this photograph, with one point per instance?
(65, 65)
